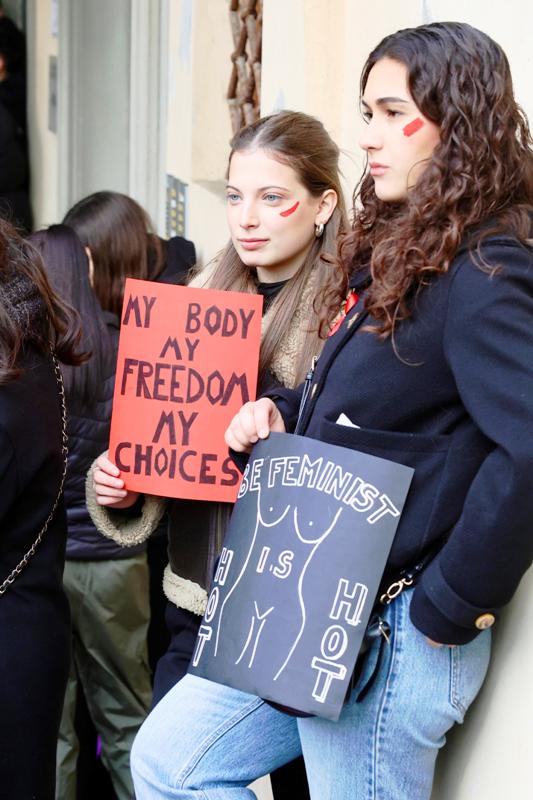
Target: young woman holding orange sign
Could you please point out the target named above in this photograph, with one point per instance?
(285, 212)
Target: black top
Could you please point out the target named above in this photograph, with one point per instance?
(269, 292)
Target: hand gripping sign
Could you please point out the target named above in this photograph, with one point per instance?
(187, 361)
(302, 561)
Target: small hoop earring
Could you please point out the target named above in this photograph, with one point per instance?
(319, 229)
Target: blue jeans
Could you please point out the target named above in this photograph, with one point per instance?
(207, 741)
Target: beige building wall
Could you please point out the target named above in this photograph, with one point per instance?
(313, 51)
(198, 126)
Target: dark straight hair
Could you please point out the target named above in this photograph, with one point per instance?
(30, 310)
(123, 244)
(67, 267)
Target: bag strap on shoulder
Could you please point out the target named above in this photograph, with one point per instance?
(64, 451)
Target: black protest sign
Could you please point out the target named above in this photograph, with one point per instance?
(296, 581)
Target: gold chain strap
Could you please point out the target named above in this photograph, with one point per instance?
(394, 590)
(64, 451)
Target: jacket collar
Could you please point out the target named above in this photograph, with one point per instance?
(360, 279)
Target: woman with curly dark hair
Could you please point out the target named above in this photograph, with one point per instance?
(434, 367)
(37, 330)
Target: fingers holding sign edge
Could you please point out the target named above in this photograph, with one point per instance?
(109, 487)
(254, 421)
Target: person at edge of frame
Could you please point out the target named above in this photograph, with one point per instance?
(435, 364)
(285, 211)
(104, 583)
(121, 238)
(38, 331)
(106, 237)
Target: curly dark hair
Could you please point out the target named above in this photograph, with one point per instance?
(478, 181)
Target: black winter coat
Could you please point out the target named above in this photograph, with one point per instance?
(88, 436)
(456, 403)
(34, 613)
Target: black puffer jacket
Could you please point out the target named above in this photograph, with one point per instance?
(88, 436)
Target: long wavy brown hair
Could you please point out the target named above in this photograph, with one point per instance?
(301, 142)
(478, 181)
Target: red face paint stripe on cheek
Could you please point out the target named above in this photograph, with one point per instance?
(413, 127)
(289, 211)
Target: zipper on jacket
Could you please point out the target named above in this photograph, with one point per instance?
(305, 393)
(306, 408)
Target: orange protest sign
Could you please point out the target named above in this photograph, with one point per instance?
(187, 361)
